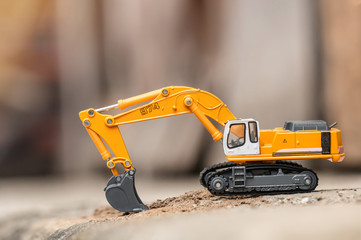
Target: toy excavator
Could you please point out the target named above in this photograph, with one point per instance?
(257, 159)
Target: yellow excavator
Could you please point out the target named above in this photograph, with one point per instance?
(258, 160)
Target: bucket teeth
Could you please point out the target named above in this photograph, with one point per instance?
(122, 195)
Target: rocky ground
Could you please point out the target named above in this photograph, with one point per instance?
(328, 213)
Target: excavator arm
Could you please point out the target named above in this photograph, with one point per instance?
(165, 102)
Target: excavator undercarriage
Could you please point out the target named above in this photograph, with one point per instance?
(229, 178)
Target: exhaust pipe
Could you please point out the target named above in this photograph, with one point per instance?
(332, 125)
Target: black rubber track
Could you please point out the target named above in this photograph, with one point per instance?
(222, 168)
(214, 168)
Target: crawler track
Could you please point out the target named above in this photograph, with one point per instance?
(258, 179)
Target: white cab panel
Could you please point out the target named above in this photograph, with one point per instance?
(241, 137)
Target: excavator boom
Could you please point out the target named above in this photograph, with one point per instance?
(165, 102)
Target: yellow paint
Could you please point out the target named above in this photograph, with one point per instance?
(269, 157)
(173, 101)
(99, 144)
(308, 139)
(216, 134)
(103, 127)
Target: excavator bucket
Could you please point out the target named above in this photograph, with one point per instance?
(121, 194)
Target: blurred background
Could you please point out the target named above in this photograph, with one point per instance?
(270, 60)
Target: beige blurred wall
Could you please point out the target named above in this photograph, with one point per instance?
(341, 41)
(256, 56)
(266, 65)
(271, 60)
(80, 81)
(28, 88)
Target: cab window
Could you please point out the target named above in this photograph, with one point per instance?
(236, 135)
(253, 135)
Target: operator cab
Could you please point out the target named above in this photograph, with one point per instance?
(241, 137)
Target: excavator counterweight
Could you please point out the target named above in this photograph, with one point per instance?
(257, 159)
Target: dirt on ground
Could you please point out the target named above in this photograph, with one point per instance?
(201, 200)
(60, 225)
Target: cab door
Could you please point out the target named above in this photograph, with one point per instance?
(241, 137)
